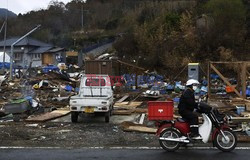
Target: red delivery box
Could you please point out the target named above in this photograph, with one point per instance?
(160, 110)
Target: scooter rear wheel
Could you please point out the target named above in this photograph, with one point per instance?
(167, 145)
(225, 144)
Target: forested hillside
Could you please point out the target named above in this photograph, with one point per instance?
(166, 34)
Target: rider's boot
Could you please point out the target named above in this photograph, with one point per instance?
(195, 136)
(194, 132)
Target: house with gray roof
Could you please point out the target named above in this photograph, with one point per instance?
(30, 51)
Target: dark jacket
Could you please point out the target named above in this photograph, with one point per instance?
(187, 101)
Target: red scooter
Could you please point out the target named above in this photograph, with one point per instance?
(173, 134)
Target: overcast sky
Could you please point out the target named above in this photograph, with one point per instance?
(23, 6)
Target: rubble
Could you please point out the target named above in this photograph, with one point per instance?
(45, 95)
(36, 93)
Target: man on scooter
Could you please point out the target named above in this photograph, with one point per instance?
(186, 108)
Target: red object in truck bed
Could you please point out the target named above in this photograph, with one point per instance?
(160, 110)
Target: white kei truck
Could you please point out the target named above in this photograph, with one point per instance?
(95, 96)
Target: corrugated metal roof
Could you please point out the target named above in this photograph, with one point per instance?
(25, 42)
(40, 50)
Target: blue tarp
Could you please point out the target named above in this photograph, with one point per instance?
(6, 65)
(248, 91)
(204, 82)
(142, 79)
(68, 88)
(50, 68)
(214, 76)
(176, 99)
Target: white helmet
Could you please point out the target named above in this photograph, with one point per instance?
(191, 82)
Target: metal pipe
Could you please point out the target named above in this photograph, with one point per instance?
(12, 48)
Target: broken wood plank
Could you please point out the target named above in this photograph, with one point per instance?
(135, 98)
(141, 110)
(142, 129)
(125, 105)
(245, 114)
(243, 79)
(241, 100)
(225, 80)
(48, 116)
(243, 138)
(130, 127)
(123, 112)
(248, 106)
(123, 98)
(142, 118)
(248, 74)
(240, 119)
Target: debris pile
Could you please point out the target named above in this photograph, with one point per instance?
(37, 91)
(47, 90)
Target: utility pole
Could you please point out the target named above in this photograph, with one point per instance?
(12, 48)
(5, 35)
(84, 1)
(82, 16)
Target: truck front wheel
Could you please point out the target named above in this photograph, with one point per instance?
(74, 117)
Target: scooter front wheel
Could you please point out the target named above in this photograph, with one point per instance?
(227, 143)
(170, 145)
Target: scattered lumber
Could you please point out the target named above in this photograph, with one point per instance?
(142, 118)
(151, 96)
(123, 98)
(48, 116)
(248, 106)
(243, 138)
(240, 100)
(141, 110)
(245, 114)
(127, 105)
(138, 95)
(141, 129)
(130, 127)
(123, 112)
(240, 119)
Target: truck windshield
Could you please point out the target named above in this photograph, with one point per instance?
(95, 82)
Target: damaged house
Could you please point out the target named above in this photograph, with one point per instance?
(30, 51)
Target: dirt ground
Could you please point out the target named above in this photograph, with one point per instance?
(89, 132)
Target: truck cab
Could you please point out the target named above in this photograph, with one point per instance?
(95, 96)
